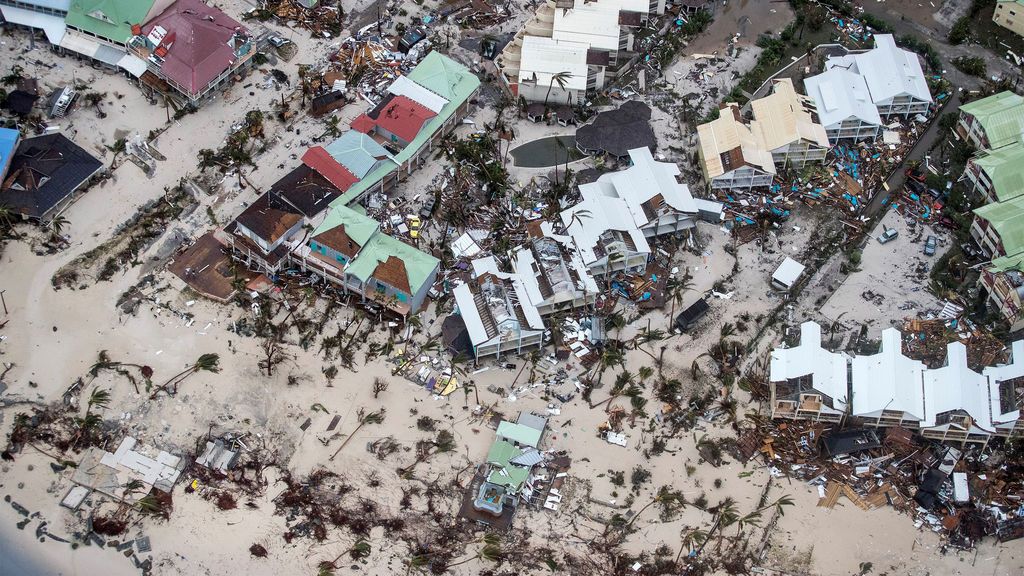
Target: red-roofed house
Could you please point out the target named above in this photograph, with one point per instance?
(320, 160)
(398, 119)
(193, 49)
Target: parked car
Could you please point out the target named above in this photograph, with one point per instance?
(911, 173)
(929, 246)
(887, 235)
(428, 207)
(277, 41)
(916, 187)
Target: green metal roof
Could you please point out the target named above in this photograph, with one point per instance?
(371, 180)
(1001, 115)
(1008, 220)
(110, 19)
(418, 265)
(442, 76)
(519, 434)
(502, 452)
(1005, 168)
(357, 152)
(449, 80)
(503, 473)
(359, 227)
(1011, 262)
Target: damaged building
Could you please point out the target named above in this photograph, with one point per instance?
(621, 210)
(572, 47)
(951, 403)
(785, 130)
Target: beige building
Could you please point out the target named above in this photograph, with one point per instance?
(1010, 15)
(731, 154)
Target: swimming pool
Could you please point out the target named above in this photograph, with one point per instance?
(546, 152)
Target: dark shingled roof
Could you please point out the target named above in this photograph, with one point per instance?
(20, 102)
(44, 172)
(269, 217)
(616, 132)
(306, 190)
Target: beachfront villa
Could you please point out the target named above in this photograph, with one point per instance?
(951, 403)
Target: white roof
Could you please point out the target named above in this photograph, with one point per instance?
(788, 272)
(470, 315)
(646, 179)
(1001, 373)
(465, 247)
(598, 214)
(542, 58)
(413, 91)
(888, 380)
(527, 267)
(957, 387)
(839, 94)
(828, 369)
(889, 70)
(594, 24)
(133, 64)
(53, 26)
(488, 265)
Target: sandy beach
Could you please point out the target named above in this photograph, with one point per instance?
(52, 337)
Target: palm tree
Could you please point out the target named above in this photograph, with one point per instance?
(58, 223)
(675, 288)
(616, 321)
(118, 147)
(643, 373)
(99, 399)
(208, 362)
(560, 78)
(622, 382)
(6, 218)
(364, 418)
(490, 551)
(665, 496)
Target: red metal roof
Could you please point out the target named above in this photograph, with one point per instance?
(404, 117)
(198, 43)
(318, 159)
(363, 123)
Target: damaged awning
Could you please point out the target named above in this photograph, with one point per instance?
(53, 26)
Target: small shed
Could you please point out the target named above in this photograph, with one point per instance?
(691, 315)
(328, 102)
(787, 274)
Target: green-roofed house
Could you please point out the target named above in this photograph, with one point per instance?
(992, 122)
(417, 112)
(998, 175)
(1002, 284)
(510, 462)
(349, 249)
(111, 21)
(998, 228)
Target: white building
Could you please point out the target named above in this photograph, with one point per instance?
(957, 405)
(621, 210)
(554, 275)
(894, 77)
(844, 105)
(497, 311)
(543, 59)
(786, 124)
(888, 387)
(1006, 392)
(590, 40)
(732, 155)
(808, 382)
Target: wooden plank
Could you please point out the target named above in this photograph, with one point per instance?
(832, 490)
